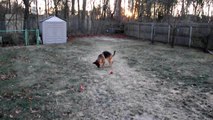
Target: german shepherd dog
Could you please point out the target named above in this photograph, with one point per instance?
(102, 57)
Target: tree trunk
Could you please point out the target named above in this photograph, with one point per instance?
(195, 5)
(154, 10)
(73, 7)
(136, 10)
(183, 8)
(56, 6)
(45, 2)
(26, 14)
(78, 15)
(141, 10)
(115, 7)
(148, 9)
(132, 7)
(118, 10)
(83, 16)
(208, 10)
(9, 5)
(105, 6)
(66, 10)
(37, 13)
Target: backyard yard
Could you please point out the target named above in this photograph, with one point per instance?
(149, 82)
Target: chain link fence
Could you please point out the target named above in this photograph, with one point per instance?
(19, 37)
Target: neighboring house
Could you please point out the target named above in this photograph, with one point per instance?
(13, 22)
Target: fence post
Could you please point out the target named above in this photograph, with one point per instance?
(152, 30)
(26, 37)
(169, 31)
(138, 30)
(190, 36)
(1, 42)
(129, 28)
(37, 37)
(135, 30)
(152, 33)
(125, 29)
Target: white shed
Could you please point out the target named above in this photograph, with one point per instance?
(53, 30)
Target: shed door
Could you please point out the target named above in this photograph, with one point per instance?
(55, 33)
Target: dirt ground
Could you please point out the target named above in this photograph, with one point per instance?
(149, 82)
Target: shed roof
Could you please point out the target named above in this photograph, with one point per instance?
(52, 19)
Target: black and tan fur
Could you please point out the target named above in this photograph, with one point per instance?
(102, 57)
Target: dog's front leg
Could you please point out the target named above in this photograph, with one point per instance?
(103, 64)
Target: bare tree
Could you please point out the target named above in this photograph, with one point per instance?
(148, 9)
(83, 16)
(141, 10)
(26, 14)
(66, 9)
(36, 2)
(78, 14)
(9, 5)
(131, 5)
(183, 8)
(117, 10)
(167, 7)
(208, 2)
(136, 7)
(73, 7)
(197, 4)
(105, 6)
(56, 4)
(45, 2)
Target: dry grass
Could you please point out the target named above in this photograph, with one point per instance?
(148, 81)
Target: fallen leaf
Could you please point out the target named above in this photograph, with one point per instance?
(11, 116)
(33, 111)
(17, 111)
(3, 77)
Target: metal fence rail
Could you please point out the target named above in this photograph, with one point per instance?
(19, 37)
(186, 34)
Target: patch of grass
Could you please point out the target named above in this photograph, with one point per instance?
(44, 72)
(170, 64)
(6, 60)
(8, 75)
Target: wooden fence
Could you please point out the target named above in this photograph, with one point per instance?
(186, 34)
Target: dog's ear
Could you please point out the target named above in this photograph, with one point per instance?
(94, 62)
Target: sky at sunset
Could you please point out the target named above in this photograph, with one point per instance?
(41, 5)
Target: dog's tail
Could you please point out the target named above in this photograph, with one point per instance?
(114, 53)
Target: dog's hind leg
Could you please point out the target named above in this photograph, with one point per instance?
(110, 61)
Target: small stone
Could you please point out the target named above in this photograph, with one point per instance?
(81, 114)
